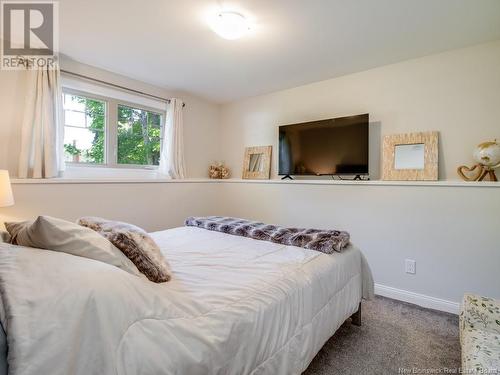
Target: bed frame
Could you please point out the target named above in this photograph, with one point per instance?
(356, 317)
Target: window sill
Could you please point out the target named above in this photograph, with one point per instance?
(93, 175)
(109, 180)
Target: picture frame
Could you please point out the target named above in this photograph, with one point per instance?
(257, 163)
(411, 157)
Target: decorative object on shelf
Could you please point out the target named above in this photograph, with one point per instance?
(470, 173)
(257, 163)
(487, 156)
(218, 171)
(224, 172)
(213, 172)
(411, 157)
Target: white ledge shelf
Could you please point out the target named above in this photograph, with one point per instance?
(121, 180)
(449, 183)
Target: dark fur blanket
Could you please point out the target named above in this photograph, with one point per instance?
(326, 241)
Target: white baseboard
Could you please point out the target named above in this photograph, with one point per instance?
(417, 299)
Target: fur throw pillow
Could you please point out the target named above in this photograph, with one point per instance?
(135, 243)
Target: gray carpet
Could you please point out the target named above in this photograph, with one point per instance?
(394, 335)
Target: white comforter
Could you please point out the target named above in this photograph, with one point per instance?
(235, 306)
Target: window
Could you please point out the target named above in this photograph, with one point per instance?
(84, 129)
(108, 132)
(139, 136)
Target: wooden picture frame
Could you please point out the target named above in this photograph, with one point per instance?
(257, 163)
(411, 157)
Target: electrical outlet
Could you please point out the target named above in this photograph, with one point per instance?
(410, 266)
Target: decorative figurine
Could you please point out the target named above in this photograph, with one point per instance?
(218, 171)
(487, 156)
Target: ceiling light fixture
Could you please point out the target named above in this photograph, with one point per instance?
(230, 25)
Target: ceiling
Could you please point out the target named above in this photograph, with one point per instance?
(293, 42)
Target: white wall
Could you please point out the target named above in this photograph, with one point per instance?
(153, 206)
(456, 93)
(451, 232)
(201, 118)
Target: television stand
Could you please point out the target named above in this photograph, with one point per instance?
(357, 177)
(287, 177)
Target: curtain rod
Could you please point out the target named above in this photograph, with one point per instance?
(117, 86)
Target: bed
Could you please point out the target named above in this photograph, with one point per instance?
(235, 306)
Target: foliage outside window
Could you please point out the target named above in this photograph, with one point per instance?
(139, 136)
(133, 138)
(84, 129)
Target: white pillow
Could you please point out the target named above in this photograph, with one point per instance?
(60, 235)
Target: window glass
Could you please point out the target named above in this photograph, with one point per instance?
(139, 136)
(84, 129)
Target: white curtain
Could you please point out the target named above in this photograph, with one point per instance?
(42, 129)
(172, 152)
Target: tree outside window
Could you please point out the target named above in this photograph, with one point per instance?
(139, 132)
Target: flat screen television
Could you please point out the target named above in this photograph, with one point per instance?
(337, 146)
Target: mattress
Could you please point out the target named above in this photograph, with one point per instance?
(235, 306)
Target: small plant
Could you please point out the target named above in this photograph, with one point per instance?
(72, 149)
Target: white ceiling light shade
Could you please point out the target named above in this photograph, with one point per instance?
(230, 25)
